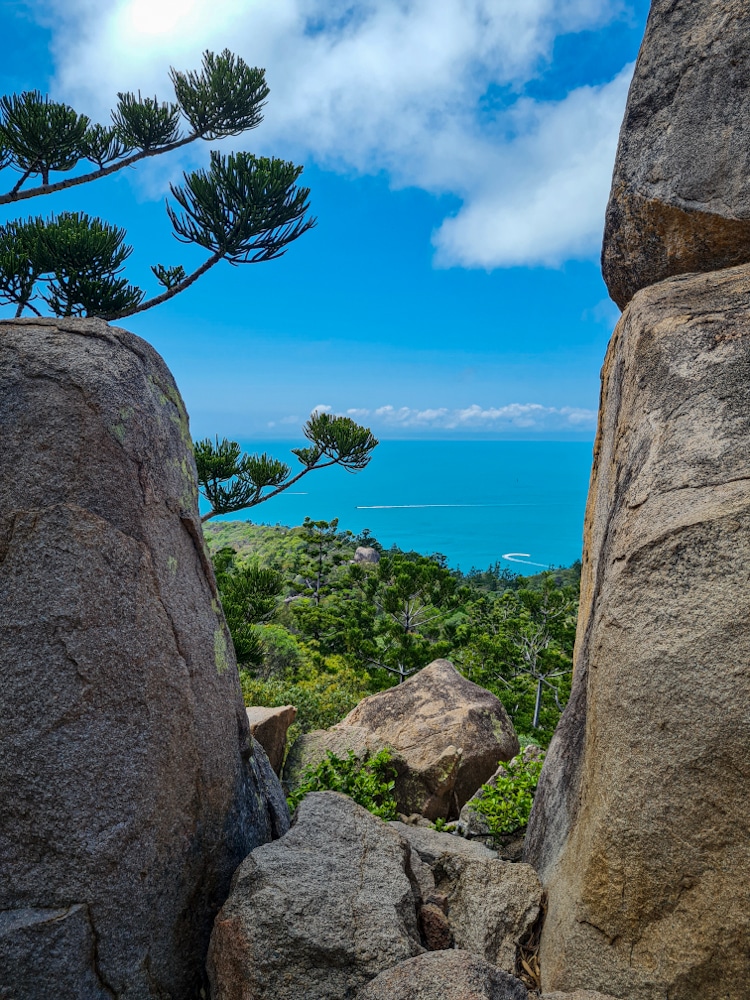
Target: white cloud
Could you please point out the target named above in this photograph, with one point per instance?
(395, 86)
(321, 408)
(521, 416)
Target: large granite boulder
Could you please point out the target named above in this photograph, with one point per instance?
(128, 783)
(447, 733)
(444, 975)
(319, 912)
(269, 727)
(680, 198)
(640, 828)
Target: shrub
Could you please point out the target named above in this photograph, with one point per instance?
(506, 802)
(369, 781)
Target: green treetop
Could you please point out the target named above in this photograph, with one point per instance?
(243, 209)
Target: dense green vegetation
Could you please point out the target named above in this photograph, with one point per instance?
(369, 781)
(315, 629)
(506, 802)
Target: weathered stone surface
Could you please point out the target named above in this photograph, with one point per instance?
(269, 727)
(644, 843)
(492, 908)
(435, 928)
(680, 200)
(491, 905)
(319, 912)
(129, 792)
(266, 778)
(433, 847)
(448, 736)
(576, 995)
(67, 938)
(444, 975)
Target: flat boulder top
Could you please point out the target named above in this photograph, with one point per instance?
(432, 845)
(258, 714)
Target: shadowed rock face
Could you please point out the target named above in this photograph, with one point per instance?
(680, 199)
(128, 784)
(640, 828)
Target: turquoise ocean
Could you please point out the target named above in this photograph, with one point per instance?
(478, 502)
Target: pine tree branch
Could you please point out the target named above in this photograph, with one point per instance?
(16, 195)
(279, 489)
(171, 292)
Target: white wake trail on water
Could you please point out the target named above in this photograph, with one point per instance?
(410, 506)
(523, 559)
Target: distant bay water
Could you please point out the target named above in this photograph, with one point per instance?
(478, 502)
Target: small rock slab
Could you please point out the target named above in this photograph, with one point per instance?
(269, 727)
(444, 975)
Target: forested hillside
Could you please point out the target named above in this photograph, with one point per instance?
(316, 628)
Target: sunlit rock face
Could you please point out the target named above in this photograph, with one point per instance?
(640, 829)
(128, 783)
(680, 198)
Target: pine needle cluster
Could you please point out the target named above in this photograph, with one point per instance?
(243, 208)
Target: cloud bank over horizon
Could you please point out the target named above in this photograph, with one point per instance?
(516, 417)
(428, 92)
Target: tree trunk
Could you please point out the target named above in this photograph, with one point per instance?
(537, 705)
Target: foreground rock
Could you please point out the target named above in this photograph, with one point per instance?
(640, 827)
(318, 913)
(680, 199)
(491, 906)
(269, 727)
(128, 784)
(444, 975)
(576, 995)
(448, 736)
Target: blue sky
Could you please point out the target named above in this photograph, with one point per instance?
(458, 153)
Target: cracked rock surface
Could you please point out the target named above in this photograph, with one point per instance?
(444, 975)
(128, 783)
(640, 828)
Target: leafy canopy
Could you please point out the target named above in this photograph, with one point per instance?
(243, 208)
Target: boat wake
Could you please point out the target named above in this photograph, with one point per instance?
(523, 558)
